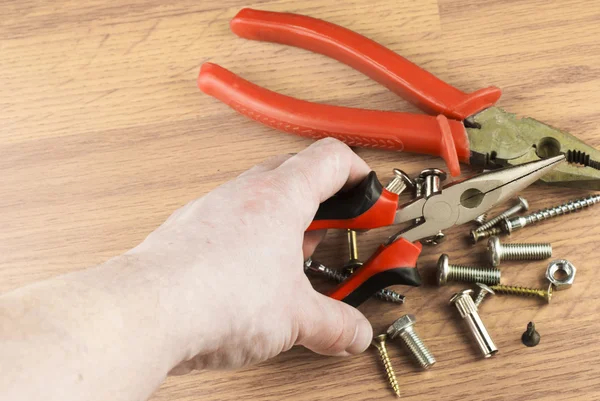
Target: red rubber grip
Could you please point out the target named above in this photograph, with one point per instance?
(356, 127)
(393, 71)
(399, 254)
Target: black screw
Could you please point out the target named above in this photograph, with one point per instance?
(531, 337)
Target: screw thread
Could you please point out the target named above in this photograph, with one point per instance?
(471, 274)
(565, 208)
(522, 291)
(504, 215)
(387, 365)
(476, 235)
(311, 266)
(417, 348)
(326, 272)
(390, 296)
(480, 297)
(582, 158)
(481, 219)
(526, 251)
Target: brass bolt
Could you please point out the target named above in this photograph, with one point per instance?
(545, 294)
(379, 343)
(353, 262)
(477, 235)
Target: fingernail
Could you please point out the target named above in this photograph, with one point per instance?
(362, 337)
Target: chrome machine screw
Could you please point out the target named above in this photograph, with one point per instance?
(379, 343)
(545, 294)
(429, 182)
(399, 183)
(483, 292)
(403, 328)
(469, 274)
(314, 267)
(477, 235)
(544, 214)
(498, 252)
(468, 311)
(522, 205)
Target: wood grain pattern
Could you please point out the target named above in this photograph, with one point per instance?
(103, 133)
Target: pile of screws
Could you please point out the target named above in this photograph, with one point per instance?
(507, 222)
(486, 279)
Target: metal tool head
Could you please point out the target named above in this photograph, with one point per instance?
(502, 139)
(462, 201)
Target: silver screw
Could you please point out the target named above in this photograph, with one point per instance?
(483, 292)
(399, 183)
(548, 213)
(403, 328)
(477, 235)
(522, 205)
(469, 274)
(314, 267)
(428, 183)
(498, 252)
(468, 311)
(481, 219)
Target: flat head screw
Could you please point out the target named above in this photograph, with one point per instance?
(379, 343)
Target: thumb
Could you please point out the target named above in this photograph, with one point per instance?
(331, 327)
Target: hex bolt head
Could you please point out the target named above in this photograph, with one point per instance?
(403, 328)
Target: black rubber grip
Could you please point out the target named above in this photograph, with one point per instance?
(353, 202)
(397, 276)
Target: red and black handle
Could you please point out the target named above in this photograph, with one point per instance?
(394, 264)
(369, 205)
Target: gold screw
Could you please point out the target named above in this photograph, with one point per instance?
(524, 291)
(379, 343)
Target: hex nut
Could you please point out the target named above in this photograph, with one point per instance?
(564, 266)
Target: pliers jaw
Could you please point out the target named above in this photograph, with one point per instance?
(462, 201)
(498, 139)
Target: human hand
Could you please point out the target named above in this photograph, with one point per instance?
(236, 257)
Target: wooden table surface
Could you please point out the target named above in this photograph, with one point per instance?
(103, 133)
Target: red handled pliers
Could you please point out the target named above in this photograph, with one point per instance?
(370, 205)
(464, 127)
